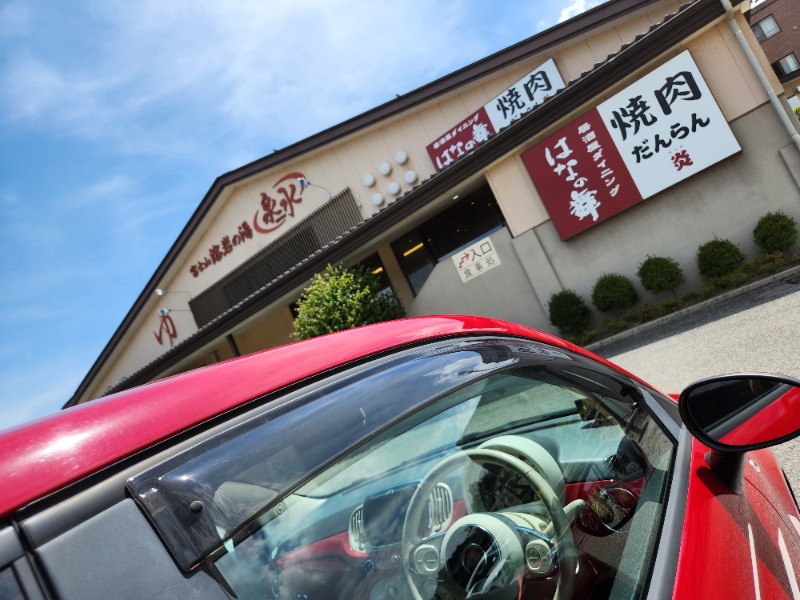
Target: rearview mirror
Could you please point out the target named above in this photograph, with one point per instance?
(741, 412)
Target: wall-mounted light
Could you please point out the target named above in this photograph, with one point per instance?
(401, 156)
(410, 177)
(412, 250)
(393, 188)
(385, 168)
(163, 312)
(305, 183)
(377, 199)
(163, 292)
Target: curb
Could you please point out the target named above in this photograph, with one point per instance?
(679, 314)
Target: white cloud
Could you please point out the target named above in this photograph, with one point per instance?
(107, 190)
(577, 7)
(266, 74)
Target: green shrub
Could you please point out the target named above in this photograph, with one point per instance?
(775, 232)
(671, 304)
(770, 262)
(643, 313)
(796, 257)
(342, 298)
(689, 298)
(569, 312)
(660, 274)
(718, 258)
(709, 288)
(615, 325)
(612, 292)
(735, 278)
(797, 112)
(589, 337)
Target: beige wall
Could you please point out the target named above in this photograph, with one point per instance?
(273, 330)
(344, 163)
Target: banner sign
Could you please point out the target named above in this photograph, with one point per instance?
(273, 212)
(658, 131)
(530, 91)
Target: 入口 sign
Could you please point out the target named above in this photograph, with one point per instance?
(476, 259)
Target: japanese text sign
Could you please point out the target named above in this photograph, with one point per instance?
(655, 133)
(476, 259)
(520, 98)
(271, 215)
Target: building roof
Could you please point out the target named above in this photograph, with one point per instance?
(646, 47)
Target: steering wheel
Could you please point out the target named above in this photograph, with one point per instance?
(486, 553)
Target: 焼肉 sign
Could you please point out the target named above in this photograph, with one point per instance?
(655, 133)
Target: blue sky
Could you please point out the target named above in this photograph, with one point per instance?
(116, 117)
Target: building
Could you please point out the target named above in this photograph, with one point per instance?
(776, 25)
(641, 127)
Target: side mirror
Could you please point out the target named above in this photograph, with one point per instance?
(732, 414)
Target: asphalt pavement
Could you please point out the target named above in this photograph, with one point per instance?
(755, 328)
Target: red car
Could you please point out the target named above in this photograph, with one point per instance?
(439, 457)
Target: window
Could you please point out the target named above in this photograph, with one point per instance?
(420, 466)
(467, 221)
(788, 64)
(766, 28)
(415, 259)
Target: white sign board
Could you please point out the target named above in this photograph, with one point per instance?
(527, 93)
(667, 126)
(475, 260)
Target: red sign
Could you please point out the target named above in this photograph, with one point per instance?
(166, 326)
(580, 175)
(461, 139)
(653, 134)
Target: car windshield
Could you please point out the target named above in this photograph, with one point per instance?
(488, 468)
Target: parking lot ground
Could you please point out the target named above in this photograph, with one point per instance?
(751, 329)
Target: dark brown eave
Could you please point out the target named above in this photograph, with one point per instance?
(632, 57)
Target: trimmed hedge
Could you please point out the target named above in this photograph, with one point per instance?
(612, 292)
(718, 258)
(660, 274)
(569, 312)
(775, 232)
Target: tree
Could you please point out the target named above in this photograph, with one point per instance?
(343, 298)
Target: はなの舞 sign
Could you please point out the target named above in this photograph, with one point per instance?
(658, 131)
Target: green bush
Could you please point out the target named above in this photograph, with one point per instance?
(569, 312)
(660, 274)
(643, 313)
(770, 262)
(797, 112)
(671, 304)
(612, 292)
(615, 325)
(775, 232)
(718, 258)
(342, 298)
(689, 298)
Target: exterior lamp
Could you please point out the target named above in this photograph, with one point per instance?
(163, 292)
(305, 183)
